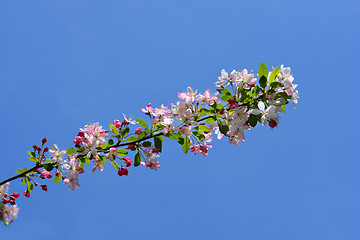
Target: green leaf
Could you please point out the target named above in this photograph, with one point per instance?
(30, 186)
(137, 159)
(224, 91)
(180, 139)
(276, 85)
(223, 128)
(48, 167)
(110, 143)
(142, 122)
(70, 151)
(114, 129)
(274, 74)
(263, 82)
(225, 98)
(31, 153)
(186, 145)
(210, 121)
(203, 128)
(158, 142)
(23, 181)
(32, 156)
(114, 164)
(124, 132)
(19, 171)
(263, 71)
(146, 144)
(58, 178)
(253, 119)
(131, 139)
(283, 108)
(122, 152)
(199, 135)
(103, 160)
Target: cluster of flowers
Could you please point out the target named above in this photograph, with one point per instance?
(192, 122)
(8, 213)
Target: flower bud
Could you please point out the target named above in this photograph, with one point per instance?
(44, 188)
(272, 123)
(44, 140)
(123, 171)
(77, 140)
(35, 147)
(12, 202)
(27, 194)
(5, 200)
(49, 175)
(81, 134)
(16, 195)
(57, 174)
(46, 149)
(77, 145)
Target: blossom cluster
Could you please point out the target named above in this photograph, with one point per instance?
(241, 101)
(8, 213)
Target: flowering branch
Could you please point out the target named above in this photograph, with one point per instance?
(200, 116)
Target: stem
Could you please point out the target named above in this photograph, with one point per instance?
(22, 174)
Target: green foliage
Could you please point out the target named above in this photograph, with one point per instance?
(263, 71)
(20, 171)
(158, 140)
(137, 159)
(263, 82)
(114, 129)
(203, 128)
(49, 166)
(142, 123)
(70, 151)
(274, 74)
(32, 156)
(186, 145)
(58, 179)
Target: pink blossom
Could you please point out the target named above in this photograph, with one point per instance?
(74, 183)
(57, 154)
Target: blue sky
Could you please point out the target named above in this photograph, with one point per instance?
(65, 64)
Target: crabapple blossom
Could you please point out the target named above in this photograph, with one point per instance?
(192, 122)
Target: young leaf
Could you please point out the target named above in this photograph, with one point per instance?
(210, 121)
(114, 129)
(30, 186)
(19, 171)
(70, 151)
(203, 128)
(263, 71)
(137, 159)
(122, 152)
(58, 178)
(186, 145)
(274, 74)
(142, 123)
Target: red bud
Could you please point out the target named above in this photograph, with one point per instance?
(27, 194)
(16, 195)
(44, 140)
(5, 200)
(44, 187)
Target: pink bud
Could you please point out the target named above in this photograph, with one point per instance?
(77, 140)
(12, 202)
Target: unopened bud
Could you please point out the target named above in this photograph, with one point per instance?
(46, 149)
(44, 140)
(44, 187)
